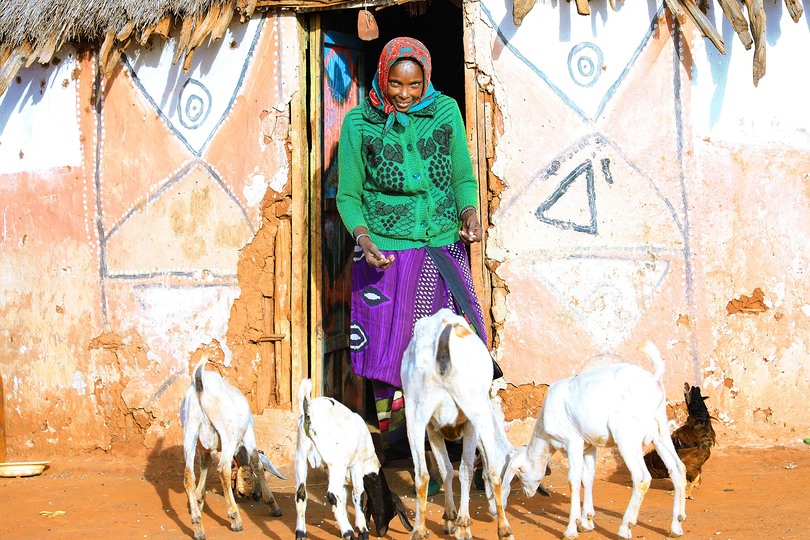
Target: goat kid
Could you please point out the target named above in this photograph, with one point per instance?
(619, 405)
(446, 377)
(333, 437)
(217, 421)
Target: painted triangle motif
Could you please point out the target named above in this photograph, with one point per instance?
(585, 172)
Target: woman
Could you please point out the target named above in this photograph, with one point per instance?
(408, 195)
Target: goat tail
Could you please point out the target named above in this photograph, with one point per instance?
(304, 395)
(443, 350)
(648, 348)
(198, 371)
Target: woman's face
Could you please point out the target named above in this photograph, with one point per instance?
(405, 84)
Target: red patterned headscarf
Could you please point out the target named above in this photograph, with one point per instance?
(396, 49)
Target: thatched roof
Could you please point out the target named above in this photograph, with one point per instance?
(34, 30)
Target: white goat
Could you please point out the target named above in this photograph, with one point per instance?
(446, 377)
(333, 437)
(216, 420)
(619, 405)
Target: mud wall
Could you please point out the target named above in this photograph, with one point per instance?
(643, 188)
(127, 206)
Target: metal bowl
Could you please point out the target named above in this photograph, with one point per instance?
(22, 468)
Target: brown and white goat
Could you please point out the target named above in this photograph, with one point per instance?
(618, 405)
(446, 377)
(217, 421)
(331, 436)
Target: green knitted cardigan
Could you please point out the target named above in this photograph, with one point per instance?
(406, 186)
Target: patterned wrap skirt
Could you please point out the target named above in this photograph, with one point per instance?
(386, 304)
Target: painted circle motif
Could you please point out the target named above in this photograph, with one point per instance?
(193, 104)
(585, 64)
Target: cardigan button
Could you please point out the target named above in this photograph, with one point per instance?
(417, 176)
(410, 148)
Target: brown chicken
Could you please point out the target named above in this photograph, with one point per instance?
(693, 441)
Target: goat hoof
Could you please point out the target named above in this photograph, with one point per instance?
(349, 535)
(199, 537)
(505, 534)
(300, 535)
(363, 535)
(275, 512)
(236, 528)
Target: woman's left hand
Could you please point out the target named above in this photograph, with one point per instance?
(470, 228)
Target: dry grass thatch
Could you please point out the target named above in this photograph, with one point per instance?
(34, 30)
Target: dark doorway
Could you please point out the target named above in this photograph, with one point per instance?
(346, 66)
(436, 23)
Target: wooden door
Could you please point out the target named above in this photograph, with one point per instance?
(340, 89)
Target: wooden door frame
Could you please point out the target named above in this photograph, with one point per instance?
(480, 140)
(302, 282)
(306, 165)
(313, 78)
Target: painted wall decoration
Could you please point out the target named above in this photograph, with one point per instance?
(572, 54)
(134, 204)
(643, 198)
(602, 233)
(38, 117)
(157, 227)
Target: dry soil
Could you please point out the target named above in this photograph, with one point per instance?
(746, 494)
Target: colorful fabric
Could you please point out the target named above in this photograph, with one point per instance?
(408, 186)
(387, 304)
(390, 405)
(397, 49)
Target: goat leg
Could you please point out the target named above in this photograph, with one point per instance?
(194, 509)
(224, 470)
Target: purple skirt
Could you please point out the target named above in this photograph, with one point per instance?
(386, 304)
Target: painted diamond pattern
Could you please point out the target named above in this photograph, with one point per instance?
(194, 104)
(586, 74)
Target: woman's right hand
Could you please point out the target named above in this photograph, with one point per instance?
(374, 256)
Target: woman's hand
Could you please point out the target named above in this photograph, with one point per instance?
(470, 227)
(374, 256)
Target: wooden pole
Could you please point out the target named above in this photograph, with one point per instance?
(299, 293)
(285, 257)
(478, 130)
(315, 206)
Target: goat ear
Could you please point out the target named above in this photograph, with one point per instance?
(269, 467)
(375, 492)
(366, 509)
(401, 513)
(516, 461)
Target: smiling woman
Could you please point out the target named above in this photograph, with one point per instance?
(405, 84)
(408, 195)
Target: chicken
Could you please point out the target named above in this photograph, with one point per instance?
(693, 441)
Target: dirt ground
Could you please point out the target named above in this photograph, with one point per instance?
(746, 494)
